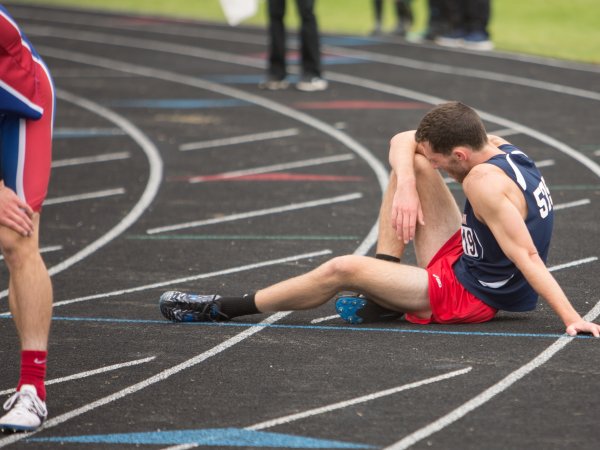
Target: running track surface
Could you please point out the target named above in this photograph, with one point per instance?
(173, 171)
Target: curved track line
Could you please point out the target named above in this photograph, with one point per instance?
(489, 393)
(548, 353)
(519, 373)
(376, 166)
(154, 179)
(161, 376)
(356, 401)
(342, 78)
(363, 248)
(144, 44)
(174, 29)
(408, 93)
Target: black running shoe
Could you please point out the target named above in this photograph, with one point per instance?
(358, 309)
(182, 307)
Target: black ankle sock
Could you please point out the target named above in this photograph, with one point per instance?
(238, 306)
(385, 257)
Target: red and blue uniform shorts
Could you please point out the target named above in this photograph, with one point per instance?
(450, 302)
(26, 147)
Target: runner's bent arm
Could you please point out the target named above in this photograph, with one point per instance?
(406, 207)
(489, 194)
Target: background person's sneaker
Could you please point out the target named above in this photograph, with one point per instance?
(26, 411)
(452, 40)
(312, 84)
(358, 309)
(274, 84)
(182, 307)
(478, 41)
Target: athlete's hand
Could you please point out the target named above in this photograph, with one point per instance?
(583, 326)
(406, 211)
(14, 212)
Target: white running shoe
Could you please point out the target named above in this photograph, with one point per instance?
(26, 411)
(312, 84)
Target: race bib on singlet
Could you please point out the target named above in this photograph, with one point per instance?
(470, 243)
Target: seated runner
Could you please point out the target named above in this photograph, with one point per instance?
(469, 265)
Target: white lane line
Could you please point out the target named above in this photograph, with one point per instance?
(161, 376)
(378, 168)
(150, 191)
(247, 38)
(258, 213)
(201, 276)
(366, 155)
(181, 447)
(244, 139)
(324, 319)
(355, 401)
(467, 72)
(545, 163)
(275, 168)
(90, 373)
(50, 248)
(559, 206)
(381, 87)
(90, 159)
(567, 265)
(504, 132)
(489, 393)
(575, 263)
(191, 51)
(86, 196)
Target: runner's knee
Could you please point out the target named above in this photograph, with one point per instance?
(16, 249)
(340, 269)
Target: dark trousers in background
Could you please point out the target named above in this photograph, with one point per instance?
(468, 15)
(310, 53)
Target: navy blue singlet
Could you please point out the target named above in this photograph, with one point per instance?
(483, 269)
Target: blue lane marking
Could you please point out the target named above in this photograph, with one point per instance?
(349, 41)
(320, 327)
(178, 103)
(329, 60)
(237, 437)
(244, 79)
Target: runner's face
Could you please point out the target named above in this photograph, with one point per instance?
(450, 164)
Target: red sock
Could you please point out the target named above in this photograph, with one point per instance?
(33, 371)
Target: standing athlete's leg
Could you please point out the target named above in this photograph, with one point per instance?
(30, 290)
(26, 149)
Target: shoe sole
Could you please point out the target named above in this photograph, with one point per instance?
(348, 307)
(17, 428)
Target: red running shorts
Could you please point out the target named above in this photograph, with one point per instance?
(450, 302)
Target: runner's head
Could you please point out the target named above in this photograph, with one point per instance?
(451, 125)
